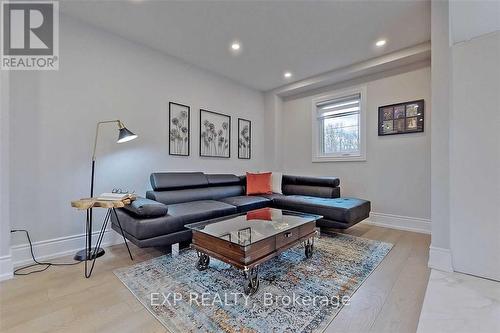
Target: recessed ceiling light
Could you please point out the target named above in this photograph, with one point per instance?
(381, 42)
(235, 46)
(287, 75)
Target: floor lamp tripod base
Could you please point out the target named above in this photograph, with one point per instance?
(90, 253)
(83, 255)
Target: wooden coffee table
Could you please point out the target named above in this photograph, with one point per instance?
(247, 240)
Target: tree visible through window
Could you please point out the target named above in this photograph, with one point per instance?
(341, 134)
(338, 126)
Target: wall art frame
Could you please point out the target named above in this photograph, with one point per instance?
(179, 129)
(401, 118)
(215, 134)
(244, 139)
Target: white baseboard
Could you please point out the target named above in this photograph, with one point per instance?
(63, 246)
(59, 247)
(414, 224)
(6, 268)
(440, 259)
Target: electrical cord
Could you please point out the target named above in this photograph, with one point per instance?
(18, 271)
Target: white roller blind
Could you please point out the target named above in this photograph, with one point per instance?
(339, 107)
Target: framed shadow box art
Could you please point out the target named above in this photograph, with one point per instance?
(244, 139)
(401, 118)
(178, 129)
(215, 134)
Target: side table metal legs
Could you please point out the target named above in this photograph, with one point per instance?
(89, 252)
(93, 255)
(123, 235)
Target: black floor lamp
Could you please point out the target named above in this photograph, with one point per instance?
(124, 135)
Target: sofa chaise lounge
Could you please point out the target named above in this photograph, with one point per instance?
(177, 199)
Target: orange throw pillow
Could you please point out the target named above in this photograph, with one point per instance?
(259, 183)
(260, 214)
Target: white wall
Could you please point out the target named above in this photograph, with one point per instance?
(475, 156)
(465, 137)
(469, 19)
(104, 77)
(273, 129)
(396, 174)
(440, 254)
(5, 255)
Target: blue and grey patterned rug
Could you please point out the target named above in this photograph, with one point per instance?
(295, 294)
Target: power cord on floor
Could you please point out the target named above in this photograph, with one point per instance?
(37, 263)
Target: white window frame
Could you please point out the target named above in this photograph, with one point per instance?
(361, 156)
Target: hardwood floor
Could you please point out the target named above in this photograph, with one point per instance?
(62, 300)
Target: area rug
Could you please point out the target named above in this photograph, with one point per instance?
(295, 294)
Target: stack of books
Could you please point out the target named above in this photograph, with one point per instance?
(115, 196)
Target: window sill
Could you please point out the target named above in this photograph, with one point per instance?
(320, 159)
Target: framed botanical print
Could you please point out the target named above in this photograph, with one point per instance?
(244, 138)
(401, 118)
(178, 129)
(215, 134)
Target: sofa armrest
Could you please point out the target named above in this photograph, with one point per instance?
(311, 181)
(324, 187)
(142, 207)
(312, 191)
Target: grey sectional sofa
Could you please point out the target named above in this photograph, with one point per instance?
(177, 199)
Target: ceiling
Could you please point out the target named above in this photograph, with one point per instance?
(306, 38)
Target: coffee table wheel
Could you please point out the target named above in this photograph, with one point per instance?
(203, 261)
(252, 283)
(309, 249)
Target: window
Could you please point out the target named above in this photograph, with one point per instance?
(338, 127)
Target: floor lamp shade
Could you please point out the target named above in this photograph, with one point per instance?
(125, 135)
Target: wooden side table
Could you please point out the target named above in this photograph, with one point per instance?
(89, 203)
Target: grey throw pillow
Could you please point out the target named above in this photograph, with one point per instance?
(143, 207)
